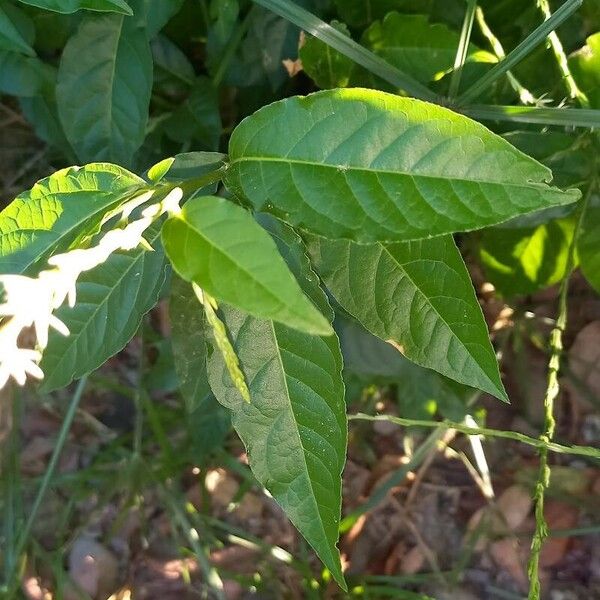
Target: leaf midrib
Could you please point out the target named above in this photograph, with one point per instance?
(341, 168)
(297, 431)
(417, 287)
(223, 251)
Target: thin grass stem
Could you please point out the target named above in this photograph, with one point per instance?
(463, 48)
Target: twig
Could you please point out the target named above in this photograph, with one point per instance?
(552, 391)
(588, 451)
(525, 96)
(563, 64)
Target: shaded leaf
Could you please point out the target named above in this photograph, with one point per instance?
(58, 210)
(198, 118)
(360, 13)
(11, 38)
(111, 301)
(104, 86)
(370, 166)
(186, 166)
(152, 16)
(327, 67)
(21, 75)
(71, 6)
(208, 426)
(218, 246)
(188, 337)
(419, 296)
(417, 47)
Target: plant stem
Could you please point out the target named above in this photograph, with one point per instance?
(525, 95)
(463, 48)
(552, 391)
(41, 494)
(563, 64)
(588, 451)
(535, 38)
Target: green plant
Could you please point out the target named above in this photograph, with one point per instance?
(355, 190)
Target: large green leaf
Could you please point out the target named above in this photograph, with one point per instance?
(104, 86)
(417, 295)
(370, 166)
(111, 301)
(71, 6)
(219, 246)
(416, 46)
(188, 338)
(11, 38)
(588, 245)
(294, 428)
(522, 260)
(57, 210)
(585, 65)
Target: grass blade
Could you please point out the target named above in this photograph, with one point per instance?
(342, 43)
(563, 117)
(521, 51)
(463, 48)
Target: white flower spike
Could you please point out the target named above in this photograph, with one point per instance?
(31, 301)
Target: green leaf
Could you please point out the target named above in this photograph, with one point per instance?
(422, 49)
(104, 86)
(11, 38)
(525, 259)
(188, 338)
(421, 392)
(187, 166)
(370, 166)
(327, 67)
(22, 76)
(418, 296)
(58, 210)
(360, 13)
(208, 426)
(71, 6)
(588, 246)
(170, 61)
(111, 301)
(198, 118)
(218, 246)
(585, 66)
(294, 428)
(152, 15)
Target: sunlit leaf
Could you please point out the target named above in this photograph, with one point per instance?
(220, 247)
(418, 296)
(370, 166)
(58, 210)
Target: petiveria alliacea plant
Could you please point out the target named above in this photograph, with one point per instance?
(342, 202)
